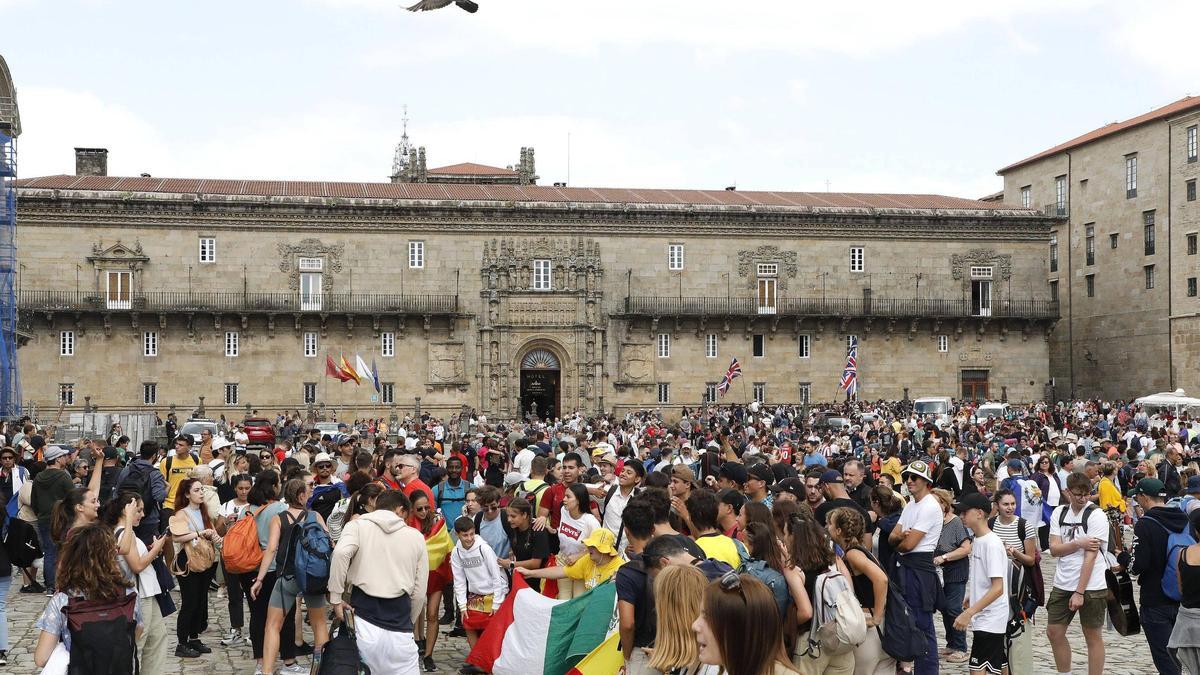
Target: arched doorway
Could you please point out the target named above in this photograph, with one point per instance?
(541, 382)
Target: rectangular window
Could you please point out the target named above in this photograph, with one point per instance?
(1060, 196)
(760, 392)
(66, 393)
(119, 291)
(231, 393)
(310, 392)
(541, 275)
(805, 391)
(943, 343)
(387, 344)
(1054, 291)
(981, 272)
(857, 261)
(1053, 252)
(664, 392)
(1026, 197)
(1191, 190)
(768, 269)
(1191, 287)
(760, 346)
(664, 345)
(310, 344)
(389, 392)
(675, 257)
(66, 343)
(311, 290)
(1191, 143)
(1089, 248)
(1130, 176)
(149, 393)
(1112, 240)
(850, 339)
(710, 392)
(1148, 231)
(416, 255)
(150, 343)
(1149, 272)
(1191, 244)
(208, 249)
(805, 345)
(766, 295)
(1090, 283)
(710, 345)
(231, 343)
(310, 264)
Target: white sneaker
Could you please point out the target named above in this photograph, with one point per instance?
(258, 670)
(293, 669)
(233, 638)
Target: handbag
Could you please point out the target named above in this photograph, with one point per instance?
(197, 555)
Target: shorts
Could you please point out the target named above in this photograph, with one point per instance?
(285, 592)
(989, 653)
(1091, 615)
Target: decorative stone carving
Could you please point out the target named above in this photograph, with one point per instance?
(1002, 263)
(748, 264)
(637, 365)
(311, 248)
(508, 263)
(446, 363)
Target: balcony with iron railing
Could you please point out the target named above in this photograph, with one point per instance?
(1057, 209)
(841, 307)
(236, 302)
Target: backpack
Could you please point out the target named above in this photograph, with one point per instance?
(241, 551)
(137, 480)
(21, 542)
(838, 623)
(340, 655)
(532, 495)
(1176, 543)
(311, 552)
(102, 636)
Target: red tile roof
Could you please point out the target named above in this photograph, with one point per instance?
(1185, 104)
(471, 169)
(505, 193)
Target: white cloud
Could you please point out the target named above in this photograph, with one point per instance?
(1162, 36)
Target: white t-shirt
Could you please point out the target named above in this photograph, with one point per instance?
(924, 516)
(1066, 573)
(988, 561)
(614, 511)
(147, 580)
(572, 532)
(523, 462)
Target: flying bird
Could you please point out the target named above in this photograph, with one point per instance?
(426, 5)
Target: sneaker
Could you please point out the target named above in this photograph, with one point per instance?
(293, 669)
(233, 638)
(304, 649)
(258, 669)
(430, 666)
(457, 631)
(33, 588)
(3, 658)
(957, 657)
(200, 646)
(186, 652)
(49, 592)
(447, 619)
(420, 646)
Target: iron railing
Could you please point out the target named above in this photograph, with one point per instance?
(233, 301)
(839, 307)
(1057, 210)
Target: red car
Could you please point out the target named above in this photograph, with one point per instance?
(260, 431)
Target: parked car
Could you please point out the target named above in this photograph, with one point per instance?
(260, 431)
(194, 426)
(327, 429)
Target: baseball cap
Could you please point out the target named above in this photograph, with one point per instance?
(732, 497)
(1151, 487)
(54, 452)
(831, 476)
(794, 486)
(110, 452)
(513, 478)
(735, 472)
(919, 468)
(762, 472)
(974, 500)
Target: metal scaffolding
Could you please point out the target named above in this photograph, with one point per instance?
(10, 128)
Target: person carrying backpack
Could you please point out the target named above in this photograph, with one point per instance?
(1020, 543)
(812, 551)
(1159, 537)
(93, 623)
(285, 549)
(140, 476)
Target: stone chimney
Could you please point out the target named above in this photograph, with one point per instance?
(91, 162)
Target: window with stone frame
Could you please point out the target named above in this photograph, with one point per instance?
(664, 345)
(710, 392)
(1053, 252)
(388, 392)
(231, 393)
(66, 343)
(387, 344)
(542, 275)
(208, 250)
(1148, 232)
(1130, 176)
(759, 343)
(664, 392)
(759, 391)
(311, 344)
(232, 343)
(858, 261)
(675, 257)
(943, 343)
(1149, 273)
(805, 392)
(310, 392)
(150, 343)
(1089, 248)
(149, 393)
(805, 346)
(1191, 143)
(416, 255)
(1026, 197)
(1089, 282)
(1191, 287)
(710, 345)
(66, 393)
(1191, 243)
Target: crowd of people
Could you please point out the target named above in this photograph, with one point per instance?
(841, 545)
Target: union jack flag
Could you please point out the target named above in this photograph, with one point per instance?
(850, 374)
(735, 371)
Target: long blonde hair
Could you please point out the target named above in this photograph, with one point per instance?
(679, 595)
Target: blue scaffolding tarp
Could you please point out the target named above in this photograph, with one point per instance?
(10, 382)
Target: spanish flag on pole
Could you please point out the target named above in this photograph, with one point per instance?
(346, 368)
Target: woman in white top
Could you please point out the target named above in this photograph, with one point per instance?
(575, 524)
(231, 511)
(124, 514)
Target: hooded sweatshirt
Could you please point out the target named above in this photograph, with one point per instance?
(476, 573)
(49, 487)
(1150, 551)
(386, 563)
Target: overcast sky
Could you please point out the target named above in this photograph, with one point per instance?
(859, 96)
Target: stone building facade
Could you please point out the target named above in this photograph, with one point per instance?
(1123, 257)
(145, 292)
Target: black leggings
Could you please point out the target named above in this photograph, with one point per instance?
(258, 618)
(193, 605)
(237, 598)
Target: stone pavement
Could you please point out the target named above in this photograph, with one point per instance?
(1125, 655)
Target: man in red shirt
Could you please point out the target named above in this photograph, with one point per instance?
(552, 497)
(409, 478)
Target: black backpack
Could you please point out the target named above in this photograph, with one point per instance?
(137, 480)
(102, 636)
(899, 637)
(340, 656)
(21, 542)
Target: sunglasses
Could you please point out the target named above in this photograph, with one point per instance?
(421, 509)
(491, 507)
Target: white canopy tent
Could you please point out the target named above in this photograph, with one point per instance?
(1174, 402)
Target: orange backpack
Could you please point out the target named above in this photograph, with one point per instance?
(241, 550)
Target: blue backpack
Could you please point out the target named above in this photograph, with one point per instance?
(1176, 543)
(311, 551)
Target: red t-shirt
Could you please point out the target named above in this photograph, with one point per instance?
(418, 484)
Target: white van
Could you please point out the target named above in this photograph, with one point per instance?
(934, 409)
(999, 411)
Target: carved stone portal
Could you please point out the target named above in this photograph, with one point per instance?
(981, 257)
(748, 264)
(330, 254)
